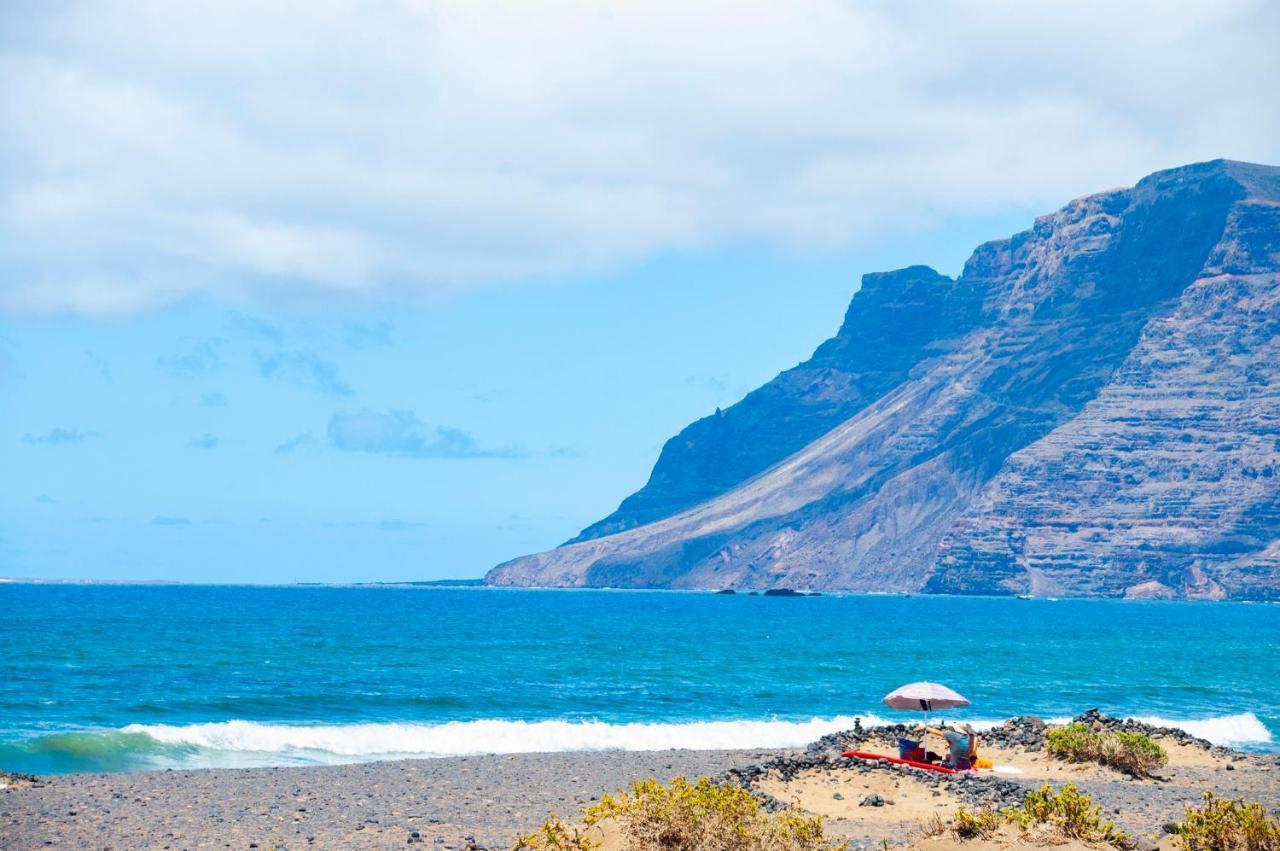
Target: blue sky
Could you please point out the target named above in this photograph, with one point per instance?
(326, 294)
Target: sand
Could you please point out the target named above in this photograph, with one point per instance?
(1141, 807)
(485, 801)
(839, 795)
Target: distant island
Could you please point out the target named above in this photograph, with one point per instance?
(1092, 408)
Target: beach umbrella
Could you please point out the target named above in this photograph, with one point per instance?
(924, 697)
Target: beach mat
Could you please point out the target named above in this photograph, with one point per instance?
(896, 761)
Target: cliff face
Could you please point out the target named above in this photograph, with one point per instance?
(1092, 407)
(898, 320)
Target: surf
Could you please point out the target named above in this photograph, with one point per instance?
(243, 743)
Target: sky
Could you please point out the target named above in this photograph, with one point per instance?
(339, 291)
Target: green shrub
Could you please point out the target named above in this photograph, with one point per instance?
(1074, 743)
(555, 835)
(1133, 753)
(1069, 812)
(687, 816)
(1136, 754)
(1225, 825)
(976, 825)
(1063, 814)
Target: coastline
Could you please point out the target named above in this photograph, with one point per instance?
(485, 801)
(481, 584)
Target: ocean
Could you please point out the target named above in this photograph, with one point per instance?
(119, 678)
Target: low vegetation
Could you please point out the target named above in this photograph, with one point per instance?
(970, 824)
(1219, 824)
(1070, 813)
(555, 835)
(685, 816)
(1049, 815)
(1136, 754)
(1074, 742)
(931, 826)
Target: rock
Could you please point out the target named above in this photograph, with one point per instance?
(872, 801)
(1123, 346)
(837, 797)
(1144, 844)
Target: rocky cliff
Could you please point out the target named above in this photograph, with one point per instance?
(1092, 407)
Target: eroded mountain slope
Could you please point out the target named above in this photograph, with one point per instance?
(962, 474)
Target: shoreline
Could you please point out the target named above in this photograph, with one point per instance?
(472, 802)
(242, 744)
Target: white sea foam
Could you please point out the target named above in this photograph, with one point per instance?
(1230, 730)
(352, 742)
(461, 738)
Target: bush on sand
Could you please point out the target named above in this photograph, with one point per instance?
(1219, 824)
(1133, 753)
(686, 816)
(1049, 815)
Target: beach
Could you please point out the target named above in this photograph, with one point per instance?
(486, 801)
(210, 717)
(448, 802)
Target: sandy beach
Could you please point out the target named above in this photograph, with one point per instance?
(485, 801)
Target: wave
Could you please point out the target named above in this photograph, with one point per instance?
(254, 743)
(466, 738)
(1229, 730)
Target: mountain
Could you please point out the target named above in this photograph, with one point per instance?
(1091, 408)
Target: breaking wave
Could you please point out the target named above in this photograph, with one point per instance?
(253, 743)
(463, 738)
(1230, 730)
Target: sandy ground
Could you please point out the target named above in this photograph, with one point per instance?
(1141, 807)
(839, 795)
(1008, 839)
(485, 801)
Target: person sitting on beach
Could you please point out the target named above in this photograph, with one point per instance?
(962, 746)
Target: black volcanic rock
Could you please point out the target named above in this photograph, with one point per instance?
(1092, 407)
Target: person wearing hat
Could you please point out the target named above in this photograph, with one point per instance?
(962, 746)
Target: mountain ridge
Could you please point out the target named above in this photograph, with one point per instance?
(922, 448)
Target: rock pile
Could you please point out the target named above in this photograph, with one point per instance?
(1095, 719)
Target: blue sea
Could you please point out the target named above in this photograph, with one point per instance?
(122, 678)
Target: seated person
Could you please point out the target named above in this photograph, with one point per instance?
(962, 746)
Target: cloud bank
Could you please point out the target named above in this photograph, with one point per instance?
(302, 152)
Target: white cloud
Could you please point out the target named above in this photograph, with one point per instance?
(401, 433)
(305, 151)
